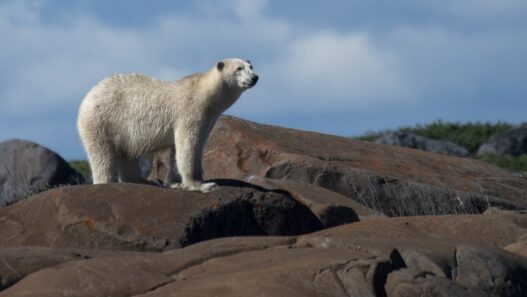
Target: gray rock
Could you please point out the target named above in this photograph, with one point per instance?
(496, 272)
(26, 168)
(410, 140)
(511, 142)
(416, 283)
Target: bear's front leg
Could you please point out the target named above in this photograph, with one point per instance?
(190, 141)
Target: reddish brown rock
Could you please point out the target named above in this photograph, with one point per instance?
(17, 262)
(331, 208)
(392, 180)
(146, 218)
(519, 248)
(386, 257)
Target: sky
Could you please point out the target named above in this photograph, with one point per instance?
(339, 67)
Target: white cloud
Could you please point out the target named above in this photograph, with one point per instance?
(51, 67)
(48, 67)
(343, 69)
(249, 8)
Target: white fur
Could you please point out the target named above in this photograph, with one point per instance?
(124, 117)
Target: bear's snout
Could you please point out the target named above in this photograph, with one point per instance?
(254, 80)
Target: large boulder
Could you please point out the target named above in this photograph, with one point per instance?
(391, 180)
(27, 168)
(410, 140)
(456, 255)
(145, 218)
(511, 142)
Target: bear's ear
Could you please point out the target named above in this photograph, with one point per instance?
(220, 65)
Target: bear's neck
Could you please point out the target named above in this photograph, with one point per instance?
(218, 95)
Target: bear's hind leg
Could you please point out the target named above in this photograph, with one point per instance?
(103, 167)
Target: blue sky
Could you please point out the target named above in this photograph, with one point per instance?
(340, 67)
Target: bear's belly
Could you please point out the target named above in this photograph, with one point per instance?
(138, 142)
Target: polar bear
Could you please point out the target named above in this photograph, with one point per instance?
(125, 117)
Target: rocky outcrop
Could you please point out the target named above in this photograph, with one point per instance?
(27, 168)
(457, 255)
(146, 218)
(318, 205)
(410, 140)
(391, 180)
(511, 142)
(331, 208)
(18, 262)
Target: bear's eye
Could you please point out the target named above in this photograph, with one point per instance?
(239, 68)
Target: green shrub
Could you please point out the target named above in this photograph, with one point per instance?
(83, 167)
(469, 135)
(371, 135)
(512, 163)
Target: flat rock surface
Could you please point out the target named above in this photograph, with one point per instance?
(146, 218)
(463, 256)
(392, 180)
(18, 262)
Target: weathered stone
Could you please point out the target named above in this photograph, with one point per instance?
(415, 283)
(18, 262)
(27, 168)
(410, 140)
(494, 271)
(511, 142)
(331, 208)
(147, 218)
(385, 257)
(519, 247)
(392, 180)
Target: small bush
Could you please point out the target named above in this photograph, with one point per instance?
(469, 135)
(83, 167)
(512, 163)
(371, 135)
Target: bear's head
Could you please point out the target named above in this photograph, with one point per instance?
(237, 73)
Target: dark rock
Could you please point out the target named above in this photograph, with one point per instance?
(146, 218)
(392, 180)
(511, 142)
(413, 256)
(331, 208)
(27, 168)
(410, 140)
(410, 282)
(494, 271)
